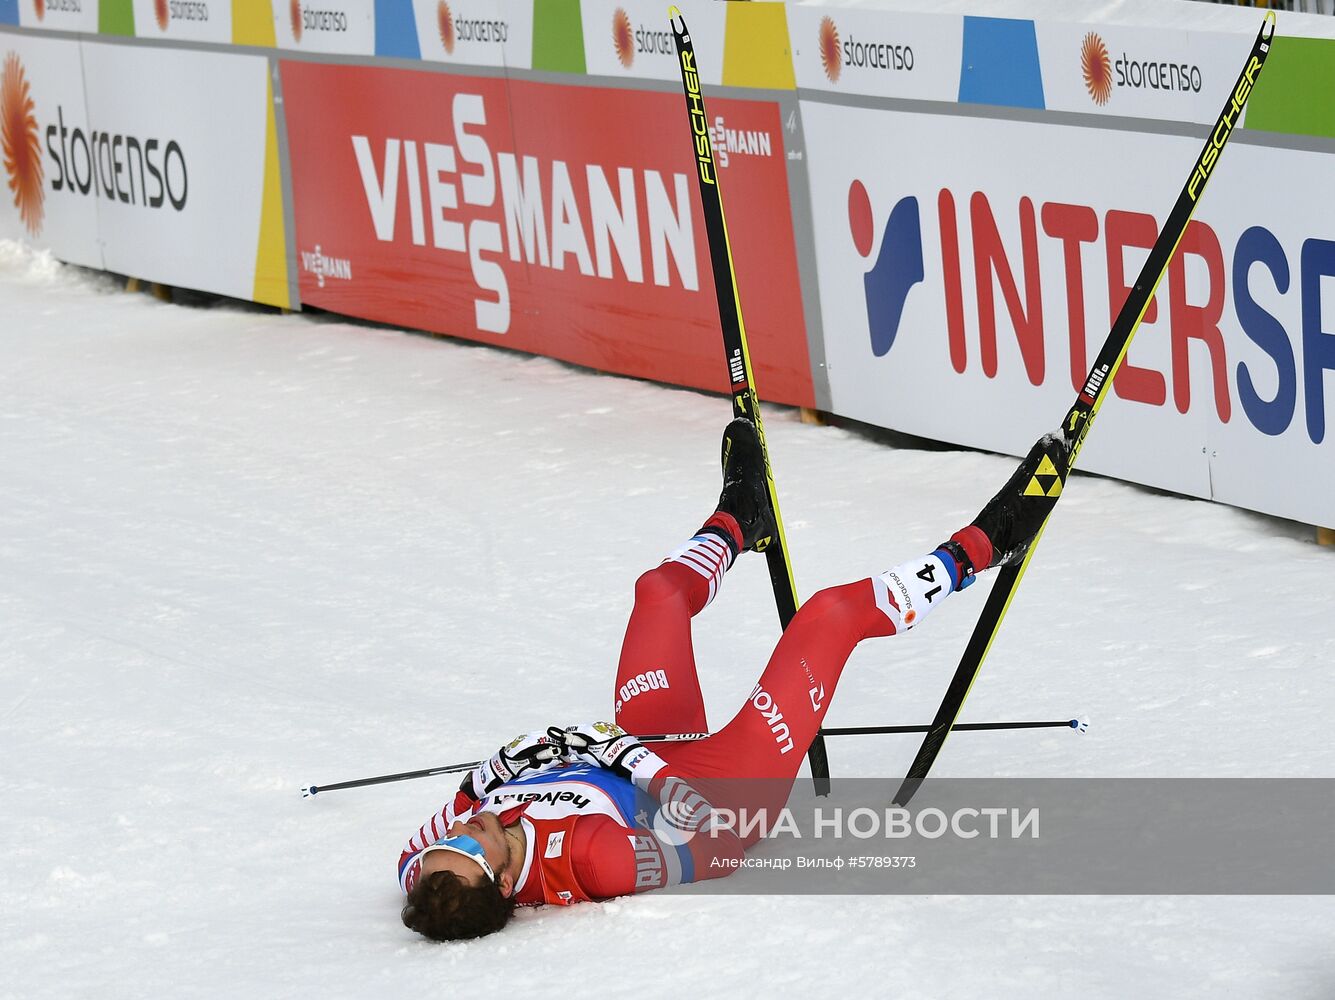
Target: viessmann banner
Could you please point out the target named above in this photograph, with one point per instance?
(522, 214)
(964, 297)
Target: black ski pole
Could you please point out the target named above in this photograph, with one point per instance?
(383, 779)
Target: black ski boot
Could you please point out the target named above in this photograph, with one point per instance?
(745, 491)
(1014, 516)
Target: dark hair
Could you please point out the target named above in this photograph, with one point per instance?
(445, 907)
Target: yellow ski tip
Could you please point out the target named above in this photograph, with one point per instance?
(1270, 22)
(674, 12)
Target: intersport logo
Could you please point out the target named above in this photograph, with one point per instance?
(1101, 72)
(631, 39)
(837, 52)
(20, 146)
(1291, 360)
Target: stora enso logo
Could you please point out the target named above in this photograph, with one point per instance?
(445, 23)
(629, 38)
(19, 144)
(623, 37)
(898, 267)
(1096, 68)
(1103, 73)
(830, 58)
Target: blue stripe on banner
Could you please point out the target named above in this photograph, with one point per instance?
(1000, 63)
(396, 29)
(9, 11)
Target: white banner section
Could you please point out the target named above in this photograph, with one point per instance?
(475, 32)
(340, 26)
(633, 38)
(179, 191)
(1138, 72)
(184, 20)
(970, 269)
(59, 15)
(864, 51)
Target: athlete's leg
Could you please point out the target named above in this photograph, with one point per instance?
(657, 689)
(769, 736)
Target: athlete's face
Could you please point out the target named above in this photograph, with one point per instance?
(498, 846)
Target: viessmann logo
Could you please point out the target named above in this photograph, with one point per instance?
(1102, 72)
(19, 144)
(837, 52)
(727, 142)
(320, 264)
(630, 39)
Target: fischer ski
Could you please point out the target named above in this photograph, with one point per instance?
(745, 401)
(1046, 487)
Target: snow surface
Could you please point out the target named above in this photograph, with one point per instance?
(240, 553)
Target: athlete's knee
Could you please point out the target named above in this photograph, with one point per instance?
(830, 603)
(656, 586)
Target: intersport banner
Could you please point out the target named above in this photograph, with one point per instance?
(970, 268)
(558, 220)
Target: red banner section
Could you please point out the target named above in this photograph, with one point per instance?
(558, 220)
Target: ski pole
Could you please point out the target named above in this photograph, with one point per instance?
(1077, 724)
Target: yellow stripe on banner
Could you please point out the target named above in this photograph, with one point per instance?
(755, 47)
(252, 23)
(271, 255)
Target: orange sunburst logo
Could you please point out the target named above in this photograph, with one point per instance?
(294, 14)
(445, 21)
(623, 36)
(160, 13)
(40, 6)
(18, 142)
(1097, 67)
(830, 56)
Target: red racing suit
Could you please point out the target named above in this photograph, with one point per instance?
(590, 833)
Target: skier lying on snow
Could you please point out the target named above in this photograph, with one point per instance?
(567, 815)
